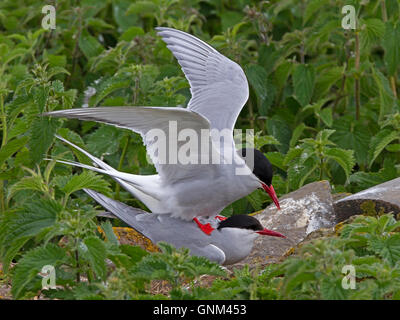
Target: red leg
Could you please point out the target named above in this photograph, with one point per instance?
(221, 218)
(206, 228)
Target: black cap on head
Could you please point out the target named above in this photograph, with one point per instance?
(242, 221)
(262, 167)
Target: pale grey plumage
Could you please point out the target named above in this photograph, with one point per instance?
(218, 85)
(225, 246)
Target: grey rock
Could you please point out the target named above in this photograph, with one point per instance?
(385, 197)
(302, 212)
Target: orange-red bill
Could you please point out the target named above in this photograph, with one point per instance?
(271, 192)
(267, 232)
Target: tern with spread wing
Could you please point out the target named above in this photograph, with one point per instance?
(201, 187)
(230, 242)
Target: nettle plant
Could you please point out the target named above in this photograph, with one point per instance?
(59, 231)
(370, 245)
(316, 157)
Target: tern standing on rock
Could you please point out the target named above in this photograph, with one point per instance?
(216, 173)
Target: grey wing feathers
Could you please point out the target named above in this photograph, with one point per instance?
(127, 214)
(137, 119)
(218, 85)
(154, 124)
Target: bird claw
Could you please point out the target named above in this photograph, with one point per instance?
(206, 228)
(221, 218)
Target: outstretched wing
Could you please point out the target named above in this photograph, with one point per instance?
(164, 132)
(218, 85)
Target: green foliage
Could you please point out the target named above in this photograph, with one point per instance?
(303, 83)
(323, 104)
(313, 157)
(32, 263)
(368, 244)
(175, 266)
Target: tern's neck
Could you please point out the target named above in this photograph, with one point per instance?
(239, 243)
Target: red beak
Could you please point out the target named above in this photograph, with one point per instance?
(271, 233)
(270, 190)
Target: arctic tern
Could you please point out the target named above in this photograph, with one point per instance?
(201, 188)
(230, 242)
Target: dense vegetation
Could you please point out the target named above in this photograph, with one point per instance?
(323, 103)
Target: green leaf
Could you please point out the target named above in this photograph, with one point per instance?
(372, 30)
(32, 263)
(56, 60)
(99, 24)
(124, 20)
(109, 232)
(303, 83)
(11, 252)
(87, 180)
(29, 220)
(280, 130)
(57, 70)
(269, 57)
(298, 279)
(42, 136)
(391, 45)
(89, 45)
(326, 116)
(312, 7)
(380, 141)
(297, 132)
(107, 87)
(365, 180)
(40, 96)
(144, 8)
(343, 157)
(395, 147)
(282, 73)
(94, 250)
(10, 148)
(276, 159)
(354, 135)
(35, 183)
(104, 140)
(68, 98)
(257, 77)
(231, 19)
(388, 248)
(255, 200)
(261, 141)
(293, 153)
(386, 99)
(131, 33)
(135, 253)
(323, 136)
(326, 78)
(331, 289)
(300, 170)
